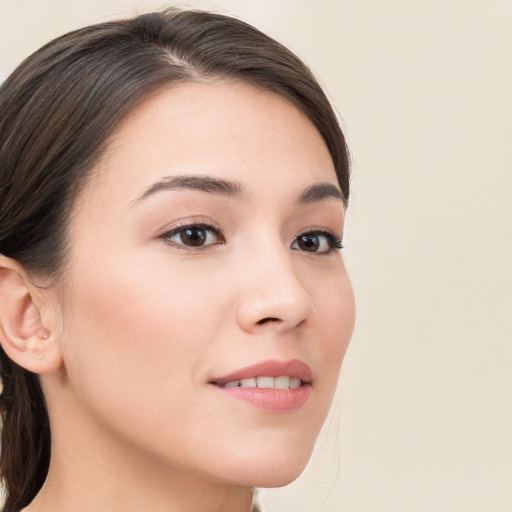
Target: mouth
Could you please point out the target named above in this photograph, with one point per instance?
(272, 385)
(264, 382)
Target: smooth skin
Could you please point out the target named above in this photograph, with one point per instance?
(145, 314)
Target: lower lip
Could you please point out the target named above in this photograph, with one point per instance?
(269, 399)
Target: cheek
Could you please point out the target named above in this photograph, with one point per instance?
(335, 314)
(133, 331)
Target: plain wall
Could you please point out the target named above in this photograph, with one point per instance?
(423, 417)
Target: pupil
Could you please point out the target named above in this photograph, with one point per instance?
(309, 243)
(193, 236)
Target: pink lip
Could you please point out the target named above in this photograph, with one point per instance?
(293, 368)
(269, 399)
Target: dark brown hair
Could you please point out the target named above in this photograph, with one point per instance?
(57, 111)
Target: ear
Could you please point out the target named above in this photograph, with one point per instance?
(23, 335)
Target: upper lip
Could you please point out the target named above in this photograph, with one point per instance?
(271, 368)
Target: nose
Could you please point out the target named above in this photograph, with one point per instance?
(271, 295)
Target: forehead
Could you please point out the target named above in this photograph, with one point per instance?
(228, 129)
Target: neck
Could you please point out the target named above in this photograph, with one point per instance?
(106, 487)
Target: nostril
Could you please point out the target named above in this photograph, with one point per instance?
(268, 319)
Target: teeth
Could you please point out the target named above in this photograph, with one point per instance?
(294, 383)
(283, 382)
(265, 382)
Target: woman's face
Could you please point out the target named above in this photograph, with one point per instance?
(204, 245)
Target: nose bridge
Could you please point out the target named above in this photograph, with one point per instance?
(271, 291)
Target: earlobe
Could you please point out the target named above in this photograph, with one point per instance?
(23, 335)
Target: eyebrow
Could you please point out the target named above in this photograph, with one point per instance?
(189, 182)
(320, 192)
(312, 194)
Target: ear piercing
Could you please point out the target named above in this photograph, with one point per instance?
(44, 334)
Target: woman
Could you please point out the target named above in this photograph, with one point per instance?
(174, 309)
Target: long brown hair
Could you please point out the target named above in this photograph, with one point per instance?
(57, 111)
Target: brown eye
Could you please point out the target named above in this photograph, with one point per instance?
(320, 242)
(193, 236)
(309, 243)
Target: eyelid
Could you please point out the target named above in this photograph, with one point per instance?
(191, 222)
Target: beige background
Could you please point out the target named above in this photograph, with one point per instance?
(423, 420)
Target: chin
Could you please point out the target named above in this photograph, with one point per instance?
(272, 468)
(278, 478)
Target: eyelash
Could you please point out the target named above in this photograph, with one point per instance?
(334, 242)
